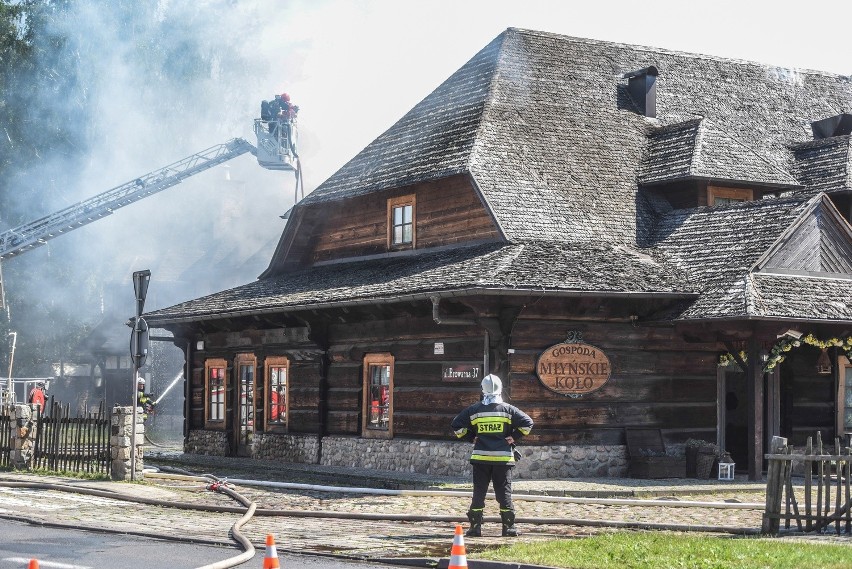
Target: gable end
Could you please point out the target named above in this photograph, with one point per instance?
(819, 243)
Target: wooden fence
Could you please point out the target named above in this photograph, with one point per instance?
(78, 444)
(823, 503)
(65, 443)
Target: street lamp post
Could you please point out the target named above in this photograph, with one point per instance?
(138, 352)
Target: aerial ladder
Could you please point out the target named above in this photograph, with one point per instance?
(275, 150)
(36, 233)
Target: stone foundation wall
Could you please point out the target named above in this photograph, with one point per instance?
(289, 448)
(207, 442)
(444, 458)
(439, 458)
(573, 461)
(425, 457)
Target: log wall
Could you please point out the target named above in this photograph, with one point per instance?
(446, 212)
(658, 380)
(423, 405)
(290, 342)
(807, 398)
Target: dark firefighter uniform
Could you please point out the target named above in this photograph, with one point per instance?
(488, 425)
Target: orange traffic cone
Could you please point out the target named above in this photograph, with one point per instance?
(270, 560)
(458, 555)
(33, 564)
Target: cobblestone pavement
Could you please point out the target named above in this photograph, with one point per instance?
(363, 538)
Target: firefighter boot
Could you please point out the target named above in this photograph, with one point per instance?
(475, 517)
(508, 519)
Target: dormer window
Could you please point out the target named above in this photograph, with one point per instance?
(717, 195)
(401, 222)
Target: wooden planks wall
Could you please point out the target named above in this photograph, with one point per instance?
(658, 380)
(807, 399)
(423, 405)
(447, 211)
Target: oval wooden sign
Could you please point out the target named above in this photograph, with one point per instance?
(573, 369)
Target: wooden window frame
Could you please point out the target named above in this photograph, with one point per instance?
(401, 201)
(742, 194)
(378, 359)
(268, 364)
(239, 361)
(218, 424)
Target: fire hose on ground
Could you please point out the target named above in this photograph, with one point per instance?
(248, 548)
(216, 486)
(264, 512)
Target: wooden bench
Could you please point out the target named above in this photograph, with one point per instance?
(647, 456)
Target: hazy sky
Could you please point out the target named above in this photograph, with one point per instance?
(354, 68)
(362, 65)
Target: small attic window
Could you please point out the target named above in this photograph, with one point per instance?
(717, 195)
(401, 222)
(838, 125)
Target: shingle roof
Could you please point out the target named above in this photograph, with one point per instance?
(785, 296)
(825, 165)
(545, 127)
(544, 124)
(695, 149)
(433, 140)
(536, 267)
(717, 247)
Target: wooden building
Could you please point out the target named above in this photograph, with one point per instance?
(602, 225)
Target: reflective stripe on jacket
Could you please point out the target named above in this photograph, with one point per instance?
(490, 425)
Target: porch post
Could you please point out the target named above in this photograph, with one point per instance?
(721, 411)
(773, 405)
(754, 392)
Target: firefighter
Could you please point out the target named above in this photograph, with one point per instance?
(494, 427)
(37, 396)
(274, 110)
(286, 114)
(143, 400)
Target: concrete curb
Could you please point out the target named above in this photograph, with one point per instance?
(444, 563)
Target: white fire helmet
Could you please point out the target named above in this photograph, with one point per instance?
(140, 380)
(491, 385)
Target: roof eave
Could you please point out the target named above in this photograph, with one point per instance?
(753, 318)
(694, 178)
(489, 291)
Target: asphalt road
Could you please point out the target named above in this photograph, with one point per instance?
(56, 548)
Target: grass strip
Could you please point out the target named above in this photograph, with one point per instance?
(665, 550)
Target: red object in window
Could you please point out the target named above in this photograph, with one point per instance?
(277, 409)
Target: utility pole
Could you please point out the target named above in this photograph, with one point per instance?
(138, 353)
